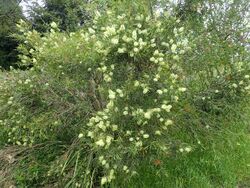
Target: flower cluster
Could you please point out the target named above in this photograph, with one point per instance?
(140, 104)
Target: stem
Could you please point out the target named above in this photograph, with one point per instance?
(150, 8)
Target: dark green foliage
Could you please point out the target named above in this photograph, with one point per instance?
(69, 14)
(10, 13)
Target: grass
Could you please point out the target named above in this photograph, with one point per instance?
(223, 161)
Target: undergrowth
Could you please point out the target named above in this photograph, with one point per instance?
(221, 159)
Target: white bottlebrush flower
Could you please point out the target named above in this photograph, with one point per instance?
(104, 180)
(136, 50)
(145, 90)
(125, 168)
(53, 25)
(141, 132)
(152, 59)
(161, 59)
(158, 132)
(146, 136)
(91, 31)
(160, 92)
(100, 143)
(125, 113)
(166, 107)
(247, 76)
(173, 48)
(111, 175)
(110, 31)
(182, 89)
(165, 44)
(128, 132)
(114, 128)
(122, 28)
(181, 150)
(104, 162)
(138, 144)
(101, 125)
(136, 44)
(97, 14)
(247, 88)
(131, 54)
(188, 149)
(234, 85)
(153, 45)
(131, 139)
(156, 52)
(147, 115)
(181, 29)
(80, 135)
(9, 102)
(168, 122)
(126, 39)
(90, 134)
(137, 83)
(158, 13)
(119, 91)
(109, 139)
(114, 40)
(121, 50)
(101, 158)
(121, 95)
(176, 57)
(27, 81)
(111, 94)
(140, 41)
(134, 35)
(107, 78)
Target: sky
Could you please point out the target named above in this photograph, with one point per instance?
(26, 3)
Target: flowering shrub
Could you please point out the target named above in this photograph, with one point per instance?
(122, 88)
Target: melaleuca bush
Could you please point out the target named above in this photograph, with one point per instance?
(124, 79)
(140, 88)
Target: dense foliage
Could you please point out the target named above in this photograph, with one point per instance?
(137, 91)
(68, 14)
(10, 14)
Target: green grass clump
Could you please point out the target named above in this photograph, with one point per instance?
(221, 161)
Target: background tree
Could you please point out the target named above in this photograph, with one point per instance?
(10, 13)
(68, 14)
